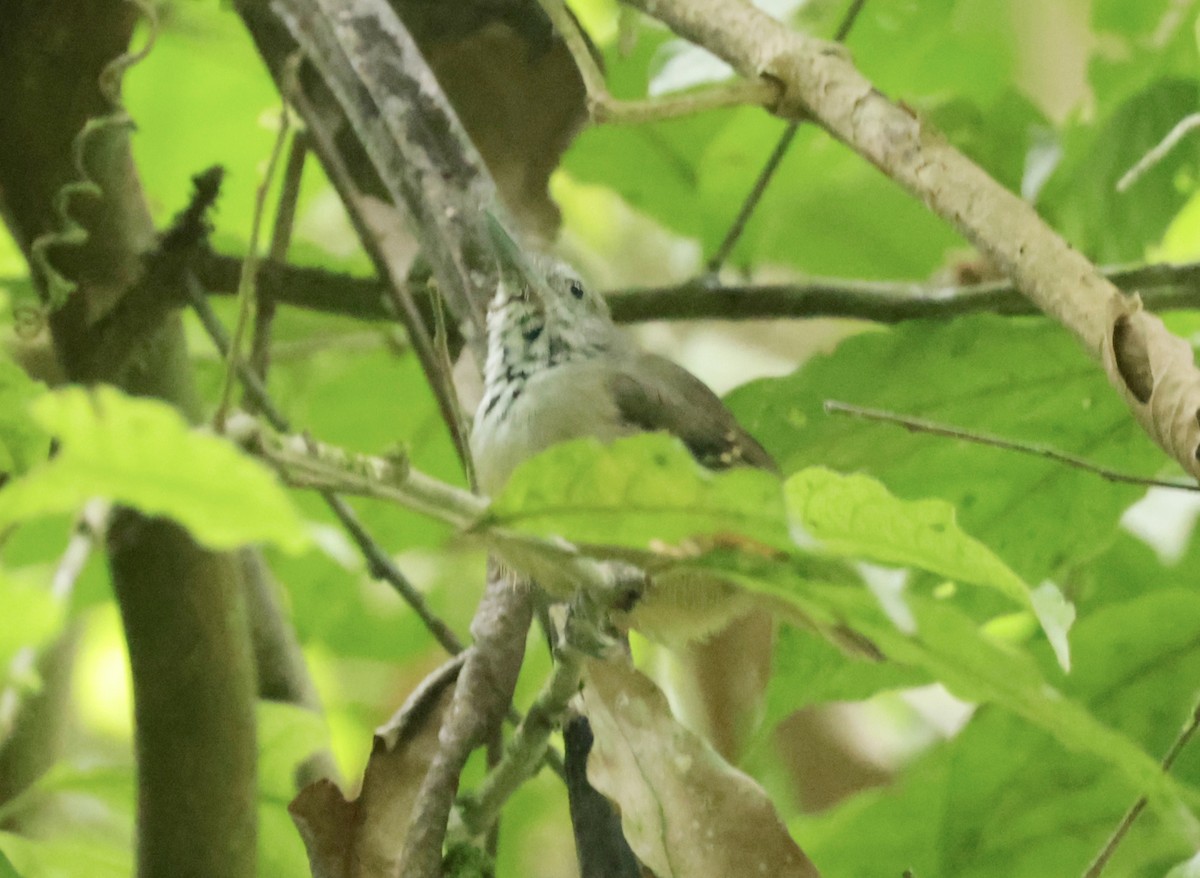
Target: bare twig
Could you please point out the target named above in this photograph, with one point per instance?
(285, 217)
(481, 700)
(768, 170)
(1162, 286)
(1182, 128)
(919, 425)
(249, 275)
(604, 108)
(1110, 847)
(528, 745)
(379, 564)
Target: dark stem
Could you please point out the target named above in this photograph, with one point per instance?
(768, 171)
(919, 425)
(379, 564)
(281, 237)
(1131, 815)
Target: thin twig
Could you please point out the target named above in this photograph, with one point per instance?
(752, 199)
(396, 291)
(1182, 128)
(285, 218)
(768, 170)
(249, 275)
(1162, 286)
(603, 108)
(379, 565)
(528, 745)
(919, 425)
(1131, 815)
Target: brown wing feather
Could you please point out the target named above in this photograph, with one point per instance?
(653, 393)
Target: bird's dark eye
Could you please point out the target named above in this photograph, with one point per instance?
(576, 289)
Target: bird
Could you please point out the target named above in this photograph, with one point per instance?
(558, 368)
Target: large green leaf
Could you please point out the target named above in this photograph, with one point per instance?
(949, 647)
(635, 493)
(1081, 199)
(140, 452)
(1021, 379)
(857, 516)
(1006, 792)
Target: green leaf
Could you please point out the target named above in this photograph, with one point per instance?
(1081, 199)
(22, 442)
(1024, 380)
(636, 492)
(287, 736)
(7, 870)
(1005, 791)
(949, 647)
(856, 516)
(809, 670)
(141, 453)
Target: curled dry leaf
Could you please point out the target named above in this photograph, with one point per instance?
(364, 838)
(685, 811)
(1156, 374)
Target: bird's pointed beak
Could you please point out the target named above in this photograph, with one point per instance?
(517, 272)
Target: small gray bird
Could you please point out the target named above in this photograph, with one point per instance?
(558, 369)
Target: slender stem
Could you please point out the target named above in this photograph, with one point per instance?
(249, 273)
(1162, 286)
(528, 746)
(1110, 847)
(88, 529)
(1184, 127)
(768, 171)
(919, 425)
(752, 199)
(379, 563)
(285, 218)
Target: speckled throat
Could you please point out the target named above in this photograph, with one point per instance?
(524, 339)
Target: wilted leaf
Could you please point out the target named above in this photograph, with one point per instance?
(364, 838)
(684, 810)
(141, 453)
(1156, 373)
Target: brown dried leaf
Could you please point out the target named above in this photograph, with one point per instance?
(364, 837)
(1156, 374)
(685, 811)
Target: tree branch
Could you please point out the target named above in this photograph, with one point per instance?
(1162, 286)
(1152, 370)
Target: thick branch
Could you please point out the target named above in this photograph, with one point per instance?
(193, 672)
(1150, 368)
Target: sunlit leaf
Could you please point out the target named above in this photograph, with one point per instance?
(856, 516)
(141, 453)
(636, 492)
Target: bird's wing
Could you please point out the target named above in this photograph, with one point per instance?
(653, 393)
